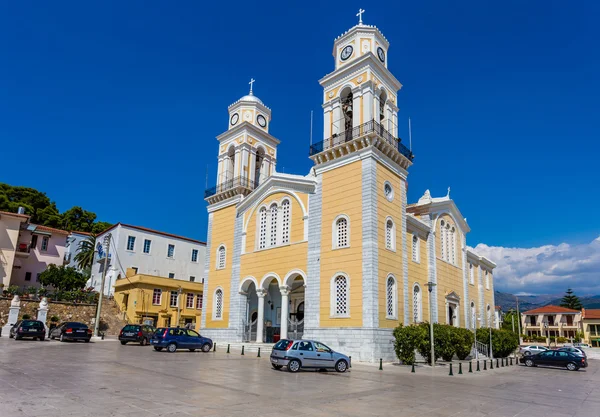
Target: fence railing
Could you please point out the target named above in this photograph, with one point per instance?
(482, 348)
(356, 132)
(243, 182)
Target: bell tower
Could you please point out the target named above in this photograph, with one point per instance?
(360, 97)
(247, 152)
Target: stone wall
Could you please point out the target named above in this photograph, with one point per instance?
(111, 318)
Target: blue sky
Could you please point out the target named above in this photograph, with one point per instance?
(115, 106)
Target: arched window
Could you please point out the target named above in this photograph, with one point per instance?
(487, 280)
(443, 239)
(285, 222)
(390, 235)
(221, 256)
(345, 124)
(471, 274)
(489, 315)
(341, 233)
(473, 316)
(390, 298)
(273, 236)
(452, 236)
(416, 250)
(262, 225)
(417, 315)
(218, 305)
(340, 291)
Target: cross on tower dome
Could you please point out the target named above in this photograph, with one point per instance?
(359, 15)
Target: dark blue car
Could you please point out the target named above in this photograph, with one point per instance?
(174, 338)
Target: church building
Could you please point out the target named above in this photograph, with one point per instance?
(337, 255)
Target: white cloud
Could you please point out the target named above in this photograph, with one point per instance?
(547, 269)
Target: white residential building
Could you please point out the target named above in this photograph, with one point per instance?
(149, 252)
(73, 246)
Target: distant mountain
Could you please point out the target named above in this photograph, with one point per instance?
(528, 302)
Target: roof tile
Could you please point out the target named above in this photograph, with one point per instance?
(551, 309)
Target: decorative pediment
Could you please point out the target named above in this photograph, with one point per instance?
(453, 297)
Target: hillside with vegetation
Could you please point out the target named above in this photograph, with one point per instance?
(43, 211)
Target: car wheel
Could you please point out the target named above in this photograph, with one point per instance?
(10, 336)
(341, 366)
(529, 363)
(158, 349)
(572, 367)
(293, 365)
(144, 342)
(527, 353)
(123, 342)
(17, 338)
(278, 367)
(172, 347)
(206, 347)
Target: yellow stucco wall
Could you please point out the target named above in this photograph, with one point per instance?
(418, 274)
(586, 330)
(279, 260)
(390, 262)
(449, 276)
(342, 194)
(222, 234)
(488, 293)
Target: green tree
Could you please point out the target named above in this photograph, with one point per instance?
(462, 339)
(62, 278)
(100, 227)
(507, 323)
(78, 219)
(85, 253)
(570, 300)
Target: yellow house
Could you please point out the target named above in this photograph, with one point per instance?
(338, 255)
(159, 301)
(591, 326)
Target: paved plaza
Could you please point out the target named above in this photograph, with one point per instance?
(106, 379)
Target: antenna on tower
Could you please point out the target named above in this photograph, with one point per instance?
(311, 125)
(206, 184)
(409, 134)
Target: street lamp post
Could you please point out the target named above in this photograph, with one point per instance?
(491, 352)
(519, 321)
(99, 306)
(430, 286)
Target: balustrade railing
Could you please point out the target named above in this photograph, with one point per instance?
(358, 131)
(243, 182)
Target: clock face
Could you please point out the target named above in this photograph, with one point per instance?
(381, 54)
(234, 119)
(346, 52)
(260, 119)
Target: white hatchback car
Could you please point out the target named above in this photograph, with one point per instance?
(532, 350)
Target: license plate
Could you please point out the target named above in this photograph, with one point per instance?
(80, 331)
(128, 334)
(32, 330)
(274, 360)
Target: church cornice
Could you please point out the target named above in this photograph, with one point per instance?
(361, 29)
(246, 127)
(364, 62)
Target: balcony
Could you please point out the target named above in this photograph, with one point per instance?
(370, 133)
(23, 250)
(100, 257)
(229, 188)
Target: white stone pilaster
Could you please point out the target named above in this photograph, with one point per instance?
(261, 293)
(285, 305)
(370, 261)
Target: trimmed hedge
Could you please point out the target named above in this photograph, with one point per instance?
(504, 342)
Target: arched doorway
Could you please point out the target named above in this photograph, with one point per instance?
(250, 318)
(294, 285)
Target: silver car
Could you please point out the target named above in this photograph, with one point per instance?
(309, 354)
(532, 350)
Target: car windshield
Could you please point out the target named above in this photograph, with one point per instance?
(75, 325)
(131, 328)
(32, 323)
(282, 345)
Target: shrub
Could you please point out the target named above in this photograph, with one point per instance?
(504, 342)
(54, 319)
(443, 335)
(13, 290)
(463, 342)
(562, 339)
(408, 339)
(26, 317)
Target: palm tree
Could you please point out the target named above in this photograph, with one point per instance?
(85, 253)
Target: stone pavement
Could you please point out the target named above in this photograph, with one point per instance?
(106, 379)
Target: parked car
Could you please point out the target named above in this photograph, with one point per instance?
(574, 350)
(139, 333)
(555, 358)
(173, 338)
(28, 329)
(71, 330)
(300, 354)
(532, 349)
(581, 345)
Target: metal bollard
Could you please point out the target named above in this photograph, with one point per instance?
(450, 373)
(470, 367)
(497, 363)
(258, 356)
(484, 365)
(491, 364)
(460, 368)
(502, 363)
(350, 364)
(478, 370)
(510, 361)
(228, 348)
(413, 368)
(242, 350)
(214, 347)
(380, 364)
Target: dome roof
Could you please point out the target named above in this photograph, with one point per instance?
(251, 97)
